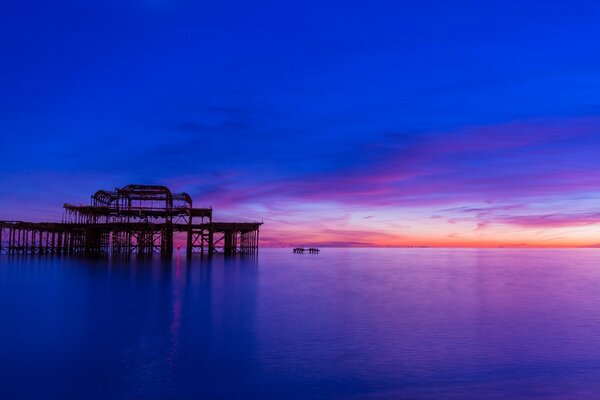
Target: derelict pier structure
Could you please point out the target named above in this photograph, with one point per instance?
(135, 219)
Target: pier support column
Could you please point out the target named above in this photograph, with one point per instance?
(228, 243)
(211, 241)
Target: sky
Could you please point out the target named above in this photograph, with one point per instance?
(337, 123)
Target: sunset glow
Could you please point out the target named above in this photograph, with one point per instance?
(400, 133)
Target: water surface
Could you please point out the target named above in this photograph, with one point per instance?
(347, 323)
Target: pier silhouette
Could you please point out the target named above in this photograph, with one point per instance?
(134, 219)
(310, 250)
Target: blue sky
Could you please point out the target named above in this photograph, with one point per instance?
(312, 115)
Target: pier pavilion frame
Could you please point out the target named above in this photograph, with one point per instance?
(135, 219)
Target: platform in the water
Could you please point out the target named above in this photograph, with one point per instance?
(310, 250)
(134, 219)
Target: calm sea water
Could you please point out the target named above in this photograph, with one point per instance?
(347, 323)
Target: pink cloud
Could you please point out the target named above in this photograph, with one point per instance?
(507, 162)
(556, 220)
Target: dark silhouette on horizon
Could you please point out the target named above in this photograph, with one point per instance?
(140, 219)
(311, 250)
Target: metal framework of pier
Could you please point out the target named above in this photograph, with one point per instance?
(135, 219)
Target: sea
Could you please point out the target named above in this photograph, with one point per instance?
(403, 323)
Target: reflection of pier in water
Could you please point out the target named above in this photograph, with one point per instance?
(134, 219)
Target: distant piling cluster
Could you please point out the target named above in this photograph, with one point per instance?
(302, 250)
(138, 219)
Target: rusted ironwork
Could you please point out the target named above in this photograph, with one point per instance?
(135, 219)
